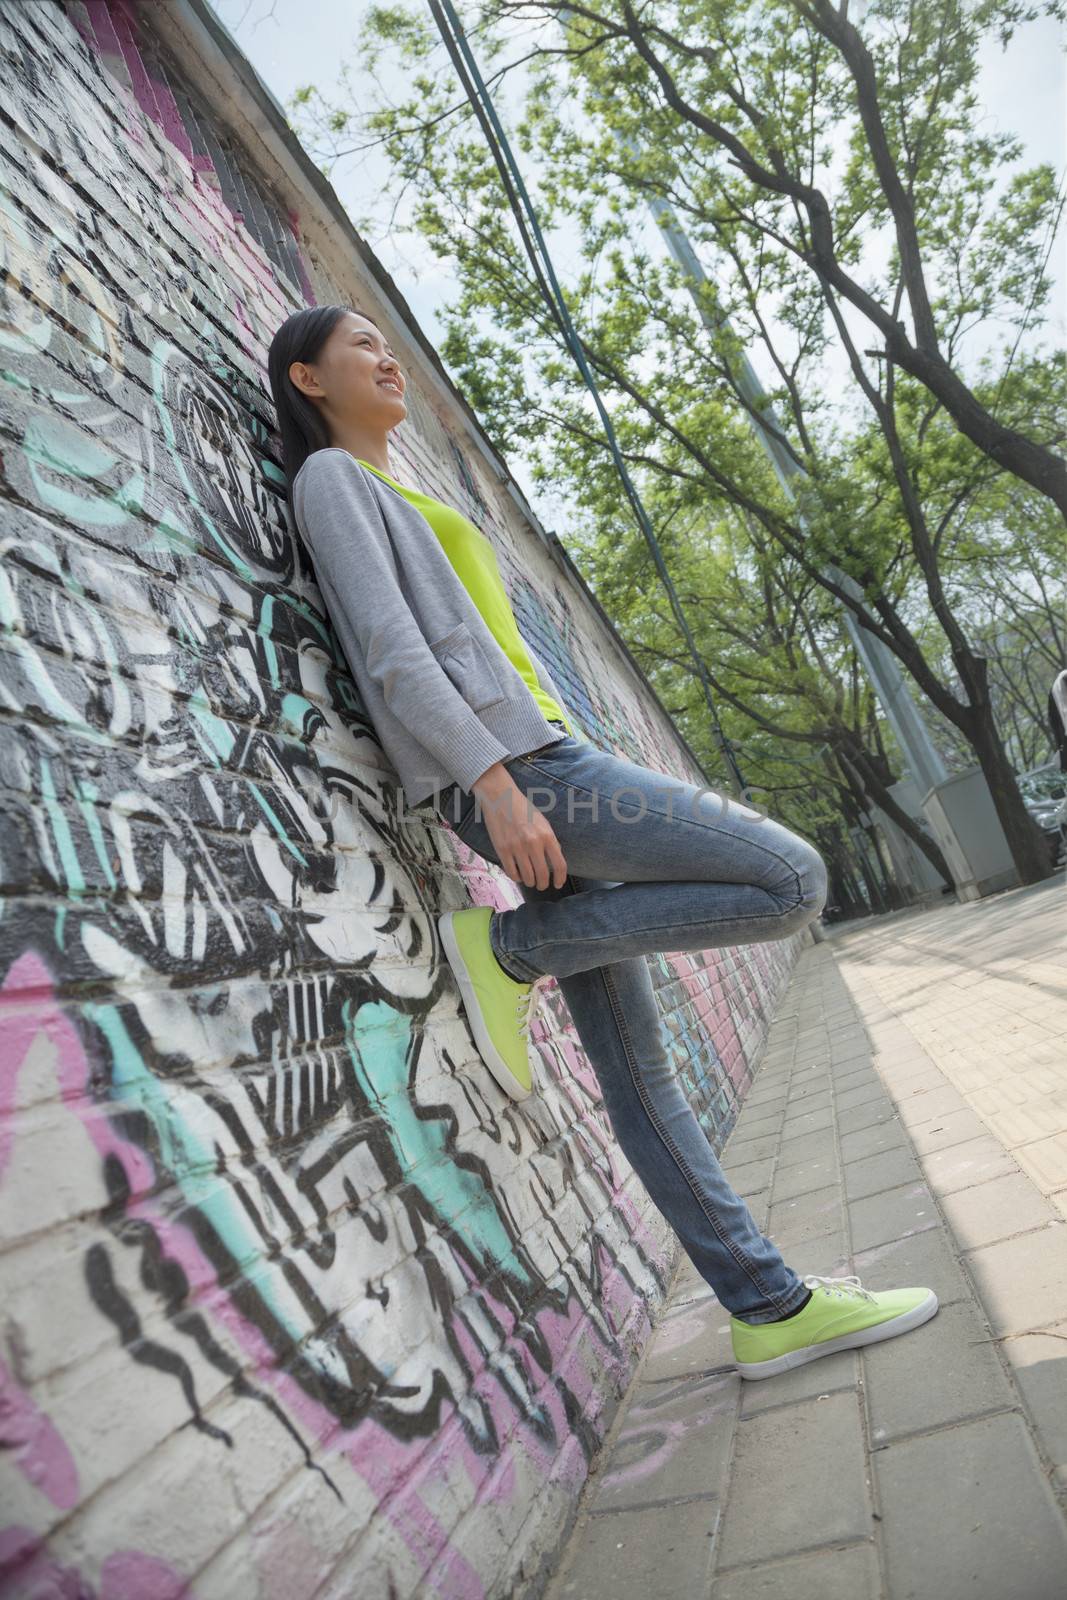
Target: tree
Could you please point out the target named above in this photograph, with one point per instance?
(741, 116)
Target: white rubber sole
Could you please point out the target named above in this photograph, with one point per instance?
(472, 1009)
(848, 1341)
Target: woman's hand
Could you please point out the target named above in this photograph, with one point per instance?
(524, 841)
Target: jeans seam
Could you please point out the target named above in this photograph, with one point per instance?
(668, 1143)
(709, 827)
(659, 927)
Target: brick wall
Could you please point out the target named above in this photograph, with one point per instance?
(293, 1301)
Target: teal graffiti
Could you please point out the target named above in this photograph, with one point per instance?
(189, 1155)
(62, 448)
(379, 1042)
(64, 839)
(87, 795)
(266, 615)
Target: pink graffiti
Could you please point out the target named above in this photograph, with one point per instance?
(392, 1468)
(125, 1575)
(701, 977)
(36, 1444)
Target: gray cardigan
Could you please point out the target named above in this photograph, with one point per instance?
(445, 701)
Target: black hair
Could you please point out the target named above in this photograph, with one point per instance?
(301, 424)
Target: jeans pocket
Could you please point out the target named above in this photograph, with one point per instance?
(533, 755)
(526, 757)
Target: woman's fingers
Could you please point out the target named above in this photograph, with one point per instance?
(528, 851)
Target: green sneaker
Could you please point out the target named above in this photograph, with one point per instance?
(499, 1007)
(840, 1315)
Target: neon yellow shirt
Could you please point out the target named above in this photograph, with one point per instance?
(475, 563)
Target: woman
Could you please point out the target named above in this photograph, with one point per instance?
(614, 860)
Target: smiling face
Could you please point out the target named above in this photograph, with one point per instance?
(356, 379)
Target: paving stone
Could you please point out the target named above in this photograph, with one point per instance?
(903, 1060)
(961, 1166)
(687, 1342)
(917, 1260)
(1045, 1161)
(961, 1376)
(973, 1078)
(806, 1217)
(765, 1100)
(938, 1132)
(809, 1147)
(809, 1105)
(967, 1515)
(826, 1253)
(770, 1085)
(807, 1087)
(807, 1122)
(996, 1097)
(848, 1050)
(853, 1118)
(1039, 1366)
(758, 1126)
(775, 1064)
(893, 1035)
(663, 1551)
(776, 1088)
(995, 1209)
(776, 1504)
(897, 1065)
(887, 1169)
(813, 1054)
(1022, 1282)
(1032, 1120)
(742, 1149)
(802, 1176)
(887, 1135)
(891, 1215)
(861, 1095)
(843, 1573)
(749, 1177)
(968, 1059)
(856, 1079)
(690, 1294)
(814, 1378)
(917, 1075)
(675, 1440)
(852, 1033)
(805, 1070)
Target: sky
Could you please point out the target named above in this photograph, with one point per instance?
(291, 43)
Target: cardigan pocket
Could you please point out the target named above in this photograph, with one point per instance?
(467, 663)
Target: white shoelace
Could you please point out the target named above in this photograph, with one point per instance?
(843, 1286)
(525, 1005)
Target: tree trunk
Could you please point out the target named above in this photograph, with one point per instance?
(907, 824)
(1029, 851)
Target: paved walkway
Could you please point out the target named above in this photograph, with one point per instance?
(908, 1122)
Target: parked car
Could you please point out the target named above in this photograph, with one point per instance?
(1057, 715)
(1044, 792)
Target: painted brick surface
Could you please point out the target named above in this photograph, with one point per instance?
(293, 1302)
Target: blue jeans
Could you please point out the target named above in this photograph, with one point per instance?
(653, 863)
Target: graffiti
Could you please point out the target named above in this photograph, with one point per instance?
(276, 1254)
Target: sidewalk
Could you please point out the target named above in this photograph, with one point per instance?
(908, 1123)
